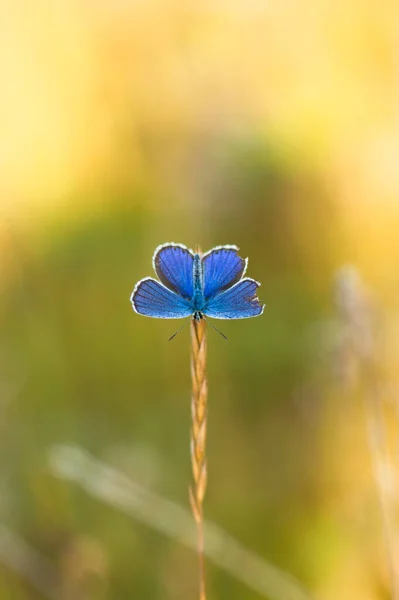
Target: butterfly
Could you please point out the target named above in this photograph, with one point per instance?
(197, 285)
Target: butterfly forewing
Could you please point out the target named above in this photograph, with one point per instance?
(173, 263)
(222, 268)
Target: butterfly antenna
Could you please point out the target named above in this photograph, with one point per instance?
(215, 328)
(180, 328)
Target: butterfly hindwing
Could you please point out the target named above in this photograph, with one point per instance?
(173, 263)
(222, 269)
(152, 299)
(238, 302)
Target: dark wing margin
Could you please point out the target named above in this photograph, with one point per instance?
(173, 264)
(152, 299)
(222, 269)
(238, 302)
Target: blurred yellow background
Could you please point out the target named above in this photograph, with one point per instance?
(270, 125)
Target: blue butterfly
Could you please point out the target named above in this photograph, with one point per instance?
(200, 286)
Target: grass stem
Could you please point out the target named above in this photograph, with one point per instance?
(199, 410)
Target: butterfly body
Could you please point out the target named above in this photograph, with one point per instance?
(191, 284)
(198, 280)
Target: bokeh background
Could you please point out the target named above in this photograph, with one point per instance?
(273, 125)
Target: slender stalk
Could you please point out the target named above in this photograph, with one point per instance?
(198, 437)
